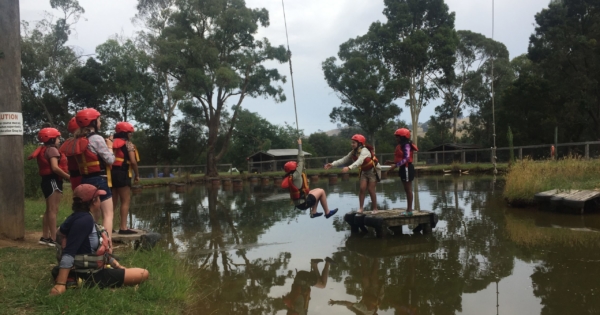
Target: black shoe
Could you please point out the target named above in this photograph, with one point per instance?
(51, 242)
(316, 260)
(316, 214)
(332, 212)
(128, 231)
(329, 260)
(43, 241)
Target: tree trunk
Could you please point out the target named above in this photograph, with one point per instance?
(12, 182)
(213, 132)
(455, 112)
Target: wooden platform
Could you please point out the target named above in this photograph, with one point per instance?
(579, 201)
(116, 237)
(386, 221)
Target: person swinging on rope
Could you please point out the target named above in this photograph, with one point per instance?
(296, 182)
(362, 157)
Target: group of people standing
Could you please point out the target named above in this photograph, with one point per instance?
(99, 171)
(361, 157)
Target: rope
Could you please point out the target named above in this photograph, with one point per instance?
(291, 72)
(494, 158)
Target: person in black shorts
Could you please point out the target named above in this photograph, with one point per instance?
(403, 158)
(80, 236)
(53, 168)
(303, 197)
(126, 158)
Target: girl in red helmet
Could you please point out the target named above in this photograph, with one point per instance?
(363, 158)
(53, 168)
(295, 181)
(126, 158)
(403, 158)
(94, 160)
(75, 175)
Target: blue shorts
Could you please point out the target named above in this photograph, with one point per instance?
(99, 182)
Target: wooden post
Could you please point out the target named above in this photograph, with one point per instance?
(521, 154)
(436, 158)
(12, 181)
(587, 151)
(156, 172)
(463, 157)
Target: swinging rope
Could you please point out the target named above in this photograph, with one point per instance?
(494, 158)
(291, 72)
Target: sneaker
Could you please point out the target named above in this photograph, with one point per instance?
(316, 260)
(407, 214)
(332, 212)
(51, 242)
(316, 214)
(329, 260)
(128, 231)
(43, 241)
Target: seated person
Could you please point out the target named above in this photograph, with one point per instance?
(83, 247)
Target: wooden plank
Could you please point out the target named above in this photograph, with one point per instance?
(583, 195)
(116, 237)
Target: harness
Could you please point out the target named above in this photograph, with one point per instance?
(87, 263)
(368, 163)
(295, 192)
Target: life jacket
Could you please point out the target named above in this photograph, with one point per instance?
(295, 192)
(89, 162)
(369, 162)
(44, 166)
(71, 161)
(87, 262)
(121, 154)
(399, 155)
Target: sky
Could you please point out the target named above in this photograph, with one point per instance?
(316, 28)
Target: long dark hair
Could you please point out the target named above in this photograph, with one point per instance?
(122, 135)
(80, 205)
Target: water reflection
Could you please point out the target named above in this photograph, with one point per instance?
(262, 256)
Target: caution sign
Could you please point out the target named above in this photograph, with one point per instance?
(11, 124)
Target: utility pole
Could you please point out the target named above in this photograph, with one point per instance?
(12, 181)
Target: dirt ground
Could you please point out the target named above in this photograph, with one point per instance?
(30, 241)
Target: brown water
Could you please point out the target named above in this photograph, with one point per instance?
(483, 258)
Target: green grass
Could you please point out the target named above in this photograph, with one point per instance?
(25, 283)
(475, 167)
(527, 177)
(25, 280)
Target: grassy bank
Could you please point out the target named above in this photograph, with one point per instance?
(527, 177)
(25, 279)
(471, 167)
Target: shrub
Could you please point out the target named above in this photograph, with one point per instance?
(32, 177)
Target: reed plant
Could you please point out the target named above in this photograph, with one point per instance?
(527, 177)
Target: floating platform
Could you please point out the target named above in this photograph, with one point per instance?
(122, 238)
(386, 221)
(573, 200)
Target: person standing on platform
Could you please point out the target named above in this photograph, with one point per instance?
(75, 175)
(403, 158)
(362, 157)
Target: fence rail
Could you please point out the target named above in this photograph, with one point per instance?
(153, 171)
(586, 150)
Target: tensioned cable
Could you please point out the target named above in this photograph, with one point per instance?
(291, 72)
(493, 105)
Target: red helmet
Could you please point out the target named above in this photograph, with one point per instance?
(85, 116)
(290, 166)
(124, 127)
(72, 126)
(359, 138)
(402, 132)
(47, 134)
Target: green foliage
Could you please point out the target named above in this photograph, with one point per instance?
(364, 86)
(32, 176)
(208, 46)
(417, 41)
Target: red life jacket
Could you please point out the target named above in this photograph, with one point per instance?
(72, 147)
(88, 161)
(87, 262)
(44, 164)
(399, 155)
(295, 192)
(122, 155)
(369, 162)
